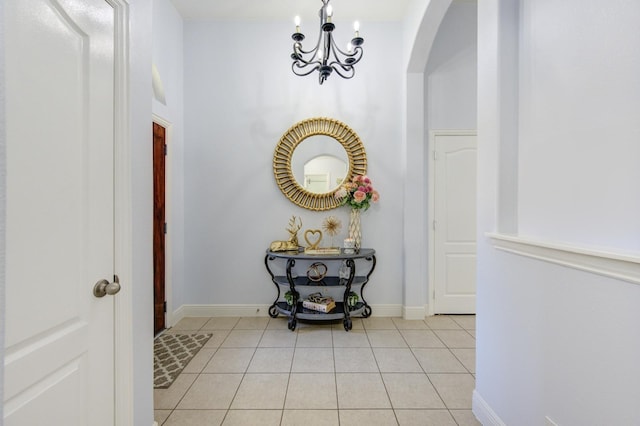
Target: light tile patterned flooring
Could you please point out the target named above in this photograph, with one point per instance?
(385, 371)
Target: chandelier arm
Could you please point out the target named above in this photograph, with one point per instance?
(357, 49)
(348, 73)
(306, 62)
(296, 68)
(350, 58)
(311, 52)
(314, 49)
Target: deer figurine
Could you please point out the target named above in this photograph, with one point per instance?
(292, 243)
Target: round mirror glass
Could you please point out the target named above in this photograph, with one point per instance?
(319, 164)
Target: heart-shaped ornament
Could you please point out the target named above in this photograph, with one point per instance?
(318, 237)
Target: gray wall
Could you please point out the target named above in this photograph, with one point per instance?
(234, 113)
(240, 97)
(552, 340)
(452, 77)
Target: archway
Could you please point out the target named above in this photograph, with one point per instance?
(422, 35)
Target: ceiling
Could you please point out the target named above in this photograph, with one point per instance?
(364, 10)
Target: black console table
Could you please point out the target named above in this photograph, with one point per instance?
(350, 280)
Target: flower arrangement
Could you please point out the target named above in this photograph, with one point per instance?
(358, 194)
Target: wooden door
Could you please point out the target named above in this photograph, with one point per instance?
(60, 85)
(455, 224)
(159, 227)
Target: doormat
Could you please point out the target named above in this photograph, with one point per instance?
(171, 353)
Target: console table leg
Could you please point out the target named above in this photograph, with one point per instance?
(273, 311)
(367, 311)
(347, 324)
(292, 323)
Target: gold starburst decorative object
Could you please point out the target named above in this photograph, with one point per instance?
(332, 226)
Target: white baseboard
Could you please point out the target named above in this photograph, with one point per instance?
(220, 311)
(484, 413)
(386, 310)
(414, 312)
(261, 311)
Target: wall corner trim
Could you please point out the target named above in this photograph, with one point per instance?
(624, 266)
(483, 411)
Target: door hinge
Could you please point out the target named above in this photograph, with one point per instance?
(435, 155)
(164, 228)
(435, 224)
(165, 149)
(165, 307)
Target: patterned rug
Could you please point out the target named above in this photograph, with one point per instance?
(171, 353)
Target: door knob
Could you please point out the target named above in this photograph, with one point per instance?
(104, 287)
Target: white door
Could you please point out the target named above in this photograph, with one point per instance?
(455, 223)
(59, 357)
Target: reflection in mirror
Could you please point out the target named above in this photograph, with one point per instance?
(319, 164)
(324, 173)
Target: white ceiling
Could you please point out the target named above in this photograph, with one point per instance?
(364, 10)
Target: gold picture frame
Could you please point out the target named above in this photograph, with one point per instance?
(293, 137)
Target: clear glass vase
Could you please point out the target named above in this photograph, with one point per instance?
(355, 231)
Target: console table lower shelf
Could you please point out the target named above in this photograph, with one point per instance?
(342, 287)
(338, 313)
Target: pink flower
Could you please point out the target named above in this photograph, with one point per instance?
(357, 193)
(359, 196)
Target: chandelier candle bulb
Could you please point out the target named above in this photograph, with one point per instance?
(297, 22)
(356, 28)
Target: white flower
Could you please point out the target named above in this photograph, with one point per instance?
(341, 193)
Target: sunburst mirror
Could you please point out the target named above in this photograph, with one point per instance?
(313, 158)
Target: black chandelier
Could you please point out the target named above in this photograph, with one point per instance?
(326, 57)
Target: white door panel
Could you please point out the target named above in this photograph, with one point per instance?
(455, 223)
(59, 237)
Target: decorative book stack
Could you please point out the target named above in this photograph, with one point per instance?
(323, 250)
(316, 302)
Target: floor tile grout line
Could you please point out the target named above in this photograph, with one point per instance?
(335, 374)
(460, 361)
(286, 390)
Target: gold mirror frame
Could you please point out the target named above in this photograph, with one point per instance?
(298, 133)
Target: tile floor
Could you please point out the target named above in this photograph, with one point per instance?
(385, 371)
